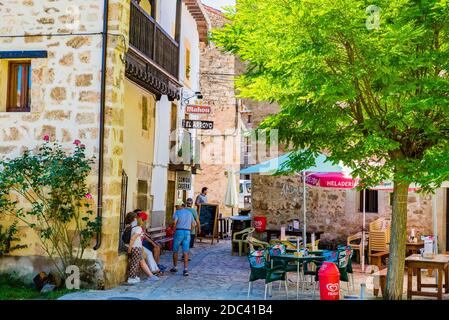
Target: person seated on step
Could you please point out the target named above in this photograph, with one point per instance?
(142, 217)
(152, 246)
(134, 233)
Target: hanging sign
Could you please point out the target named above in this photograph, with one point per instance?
(184, 181)
(196, 109)
(197, 124)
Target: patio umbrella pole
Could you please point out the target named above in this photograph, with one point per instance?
(363, 233)
(304, 235)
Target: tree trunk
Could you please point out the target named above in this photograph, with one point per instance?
(398, 239)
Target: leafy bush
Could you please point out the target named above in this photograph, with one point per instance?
(6, 239)
(47, 190)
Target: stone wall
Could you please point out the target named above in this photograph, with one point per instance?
(332, 211)
(65, 98)
(220, 148)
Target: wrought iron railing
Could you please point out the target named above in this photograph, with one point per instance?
(124, 196)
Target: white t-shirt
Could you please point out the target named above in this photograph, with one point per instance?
(138, 242)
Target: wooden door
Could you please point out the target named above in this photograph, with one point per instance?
(171, 188)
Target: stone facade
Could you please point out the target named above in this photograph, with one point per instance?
(332, 211)
(220, 148)
(65, 99)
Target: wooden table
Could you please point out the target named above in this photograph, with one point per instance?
(299, 260)
(416, 262)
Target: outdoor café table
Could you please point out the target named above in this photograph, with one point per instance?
(299, 260)
(311, 252)
(439, 262)
(277, 233)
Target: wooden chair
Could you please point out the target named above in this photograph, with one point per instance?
(243, 239)
(379, 237)
(309, 245)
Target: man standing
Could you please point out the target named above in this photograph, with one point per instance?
(202, 197)
(183, 223)
(196, 230)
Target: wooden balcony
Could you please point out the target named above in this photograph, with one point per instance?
(152, 60)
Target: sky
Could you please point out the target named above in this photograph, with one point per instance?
(217, 4)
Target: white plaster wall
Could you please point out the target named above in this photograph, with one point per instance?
(167, 18)
(161, 154)
(166, 13)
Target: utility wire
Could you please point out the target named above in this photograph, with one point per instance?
(122, 36)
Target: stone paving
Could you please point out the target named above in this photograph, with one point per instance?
(214, 275)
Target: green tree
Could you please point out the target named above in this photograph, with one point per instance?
(364, 81)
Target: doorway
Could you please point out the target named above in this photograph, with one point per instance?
(171, 188)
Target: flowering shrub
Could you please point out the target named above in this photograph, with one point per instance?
(47, 191)
(7, 238)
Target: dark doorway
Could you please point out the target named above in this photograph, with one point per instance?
(171, 189)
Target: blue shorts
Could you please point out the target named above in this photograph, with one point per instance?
(182, 237)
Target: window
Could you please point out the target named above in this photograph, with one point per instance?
(173, 124)
(19, 85)
(142, 194)
(249, 118)
(144, 113)
(372, 201)
(187, 71)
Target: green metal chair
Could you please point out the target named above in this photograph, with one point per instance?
(241, 238)
(261, 270)
(344, 264)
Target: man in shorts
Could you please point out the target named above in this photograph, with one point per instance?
(183, 222)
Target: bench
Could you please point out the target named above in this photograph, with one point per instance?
(159, 236)
(376, 258)
(382, 275)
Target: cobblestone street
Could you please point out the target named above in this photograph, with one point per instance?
(214, 274)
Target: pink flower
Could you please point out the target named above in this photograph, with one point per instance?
(82, 146)
(46, 138)
(77, 142)
(88, 196)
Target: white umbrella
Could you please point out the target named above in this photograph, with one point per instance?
(231, 197)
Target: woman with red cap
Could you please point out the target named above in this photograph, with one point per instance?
(136, 261)
(148, 255)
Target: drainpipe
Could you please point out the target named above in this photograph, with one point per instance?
(102, 120)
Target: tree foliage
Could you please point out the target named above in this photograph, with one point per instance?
(8, 237)
(376, 98)
(365, 82)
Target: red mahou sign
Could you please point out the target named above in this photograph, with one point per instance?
(193, 109)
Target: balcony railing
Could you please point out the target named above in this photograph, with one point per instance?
(152, 41)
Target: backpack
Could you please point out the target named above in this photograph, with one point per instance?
(126, 236)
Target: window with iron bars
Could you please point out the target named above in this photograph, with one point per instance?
(123, 200)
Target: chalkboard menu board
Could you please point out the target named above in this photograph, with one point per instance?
(208, 220)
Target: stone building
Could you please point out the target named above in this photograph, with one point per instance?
(108, 73)
(220, 147)
(335, 212)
